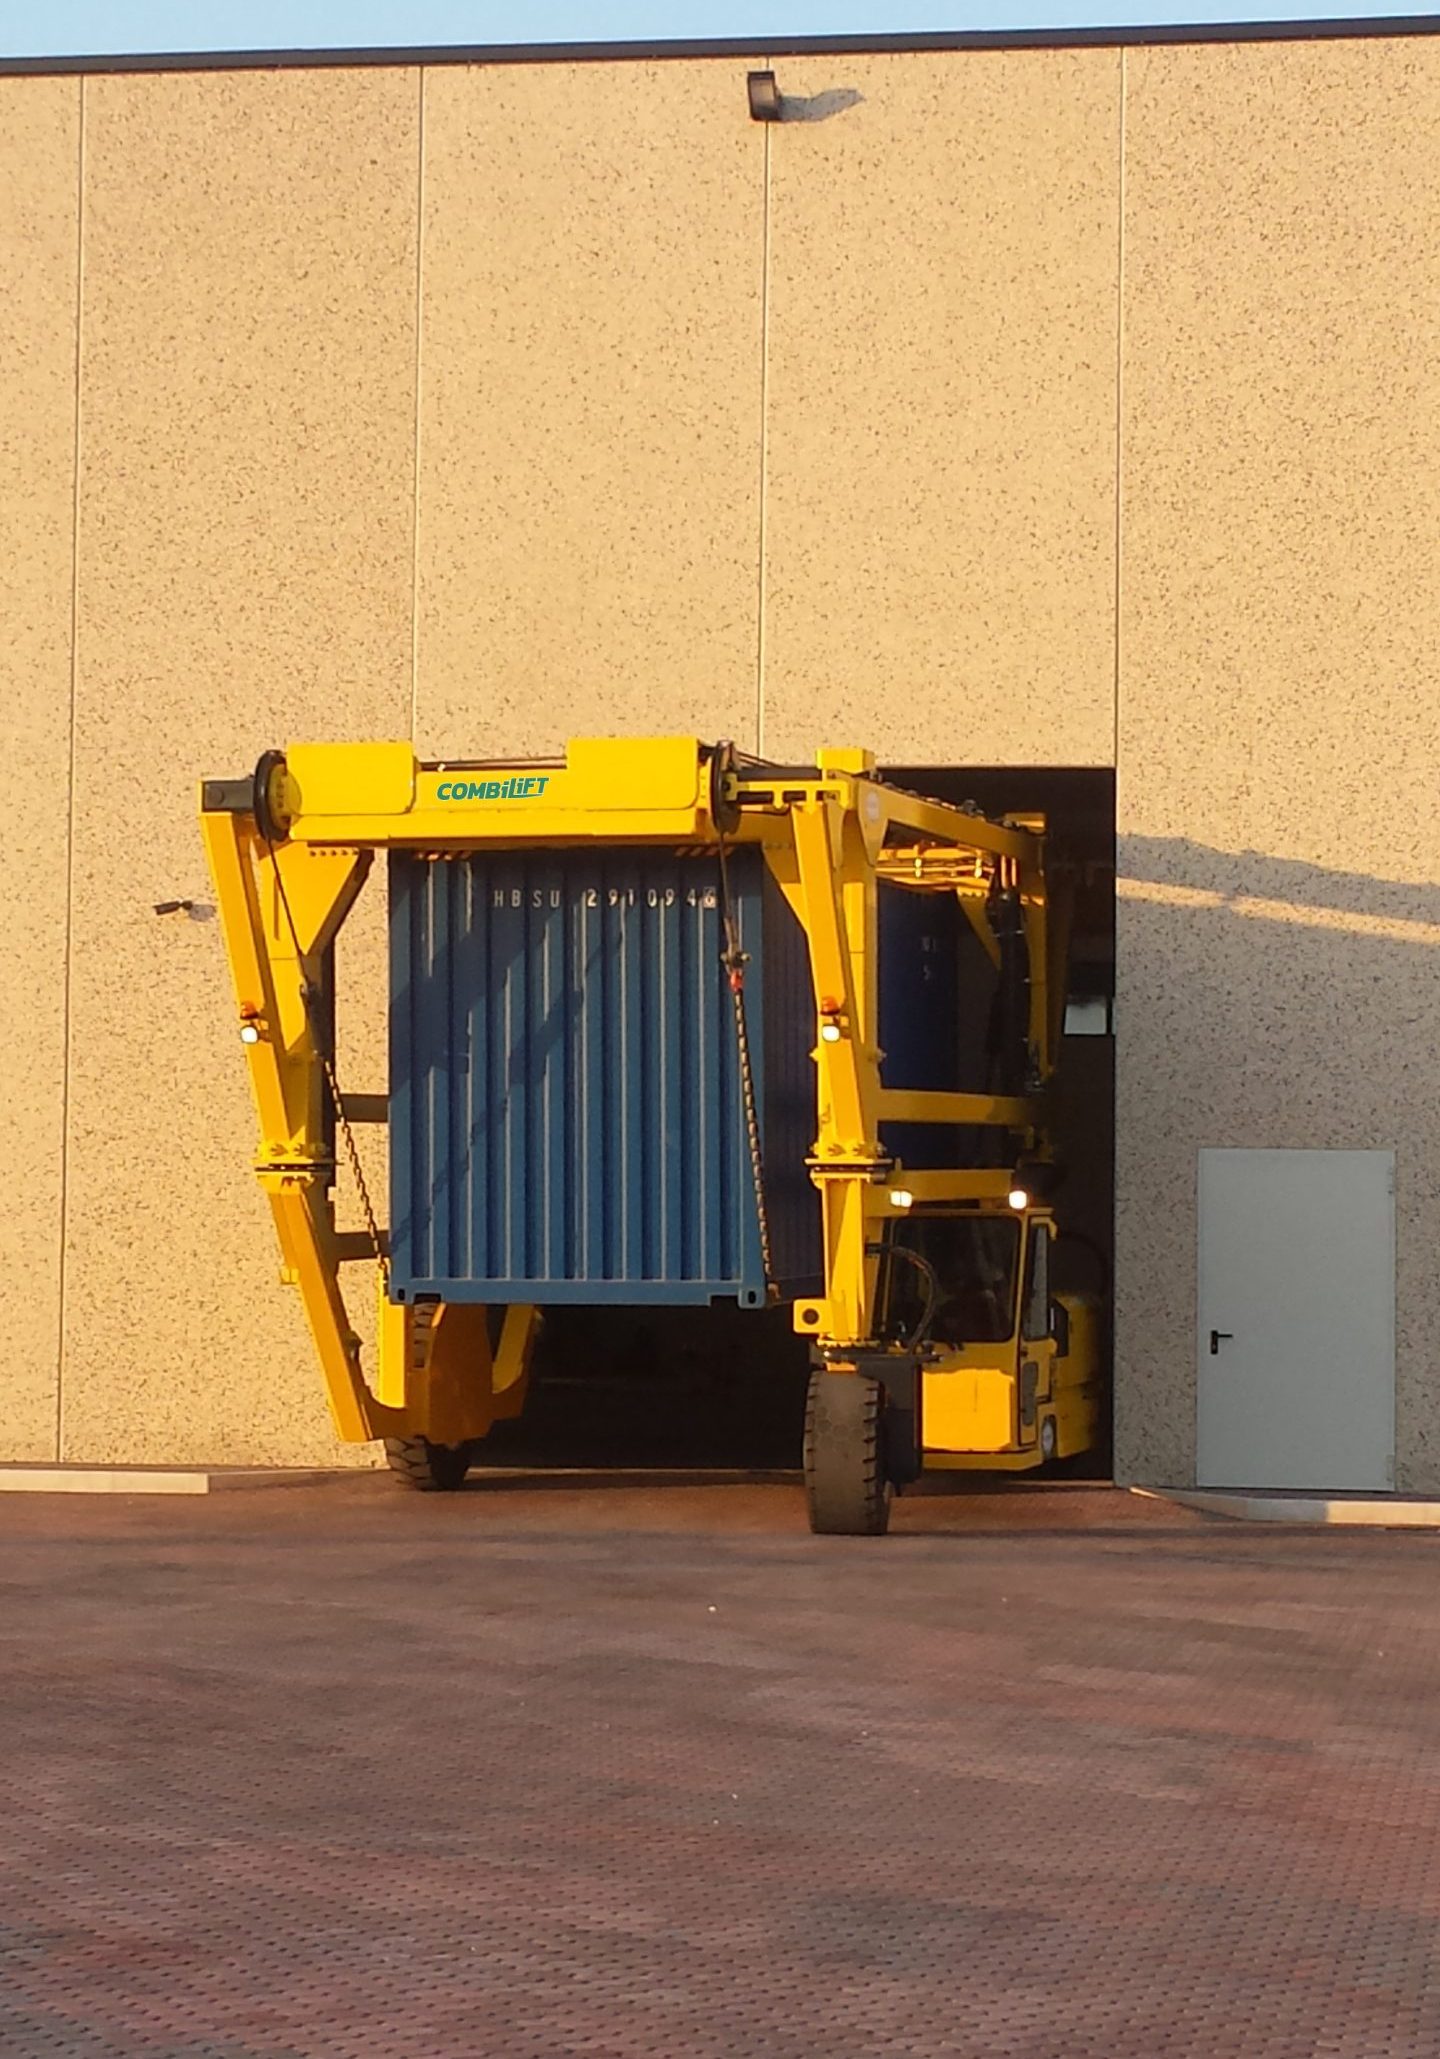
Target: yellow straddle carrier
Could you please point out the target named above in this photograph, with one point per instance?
(936, 1340)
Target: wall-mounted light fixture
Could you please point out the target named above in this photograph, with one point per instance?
(765, 102)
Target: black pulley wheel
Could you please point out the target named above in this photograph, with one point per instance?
(724, 808)
(846, 1486)
(272, 824)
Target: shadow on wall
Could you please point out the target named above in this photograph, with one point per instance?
(1265, 1003)
(819, 107)
(1241, 877)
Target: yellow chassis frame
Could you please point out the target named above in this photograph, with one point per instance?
(289, 852)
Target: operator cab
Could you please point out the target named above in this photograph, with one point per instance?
(1008, 1381)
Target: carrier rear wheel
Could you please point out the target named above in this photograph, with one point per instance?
(845, 1480)
(429, 1468)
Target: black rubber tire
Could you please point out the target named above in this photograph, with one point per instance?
(428, 1468)
(845, 1483)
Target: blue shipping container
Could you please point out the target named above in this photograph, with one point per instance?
(919, 1005)
(566, 1120)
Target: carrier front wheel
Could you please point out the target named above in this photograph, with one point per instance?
(846, 1486)
(429, 1468)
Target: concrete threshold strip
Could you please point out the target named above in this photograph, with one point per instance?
(39, 1479)
(1378, 1512)
(43, 1479)
(1358, 1511)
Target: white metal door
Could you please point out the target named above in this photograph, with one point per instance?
(1297, 1319)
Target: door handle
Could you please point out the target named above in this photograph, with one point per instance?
(1216, 1336)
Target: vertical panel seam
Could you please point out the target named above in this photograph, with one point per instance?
(763, 511)
(1119, 404)
(415, 426)
(1120, 140)
(62, 1281)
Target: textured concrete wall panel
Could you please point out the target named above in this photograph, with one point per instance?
(246, 562)
(939, 528)
(1279, 719)
(39, 198)
(590, 404)
(940, 511)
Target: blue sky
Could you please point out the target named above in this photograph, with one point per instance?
(55, 28)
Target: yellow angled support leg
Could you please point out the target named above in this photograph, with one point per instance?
(281, 905)
(438, 1376)
(394, 1347)
(846, 1064)
(450, 1396)
(844, 1315)
(301, 1209)
(833, 895)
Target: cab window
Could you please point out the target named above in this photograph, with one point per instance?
(1037, 1283)
(975, 1259)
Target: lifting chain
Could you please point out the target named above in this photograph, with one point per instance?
(308, 997)
(735, 959)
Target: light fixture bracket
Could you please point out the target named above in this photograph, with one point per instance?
(766, 103)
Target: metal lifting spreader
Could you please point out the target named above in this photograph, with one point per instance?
(289, 849)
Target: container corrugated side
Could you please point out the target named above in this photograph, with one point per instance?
(566, 1115)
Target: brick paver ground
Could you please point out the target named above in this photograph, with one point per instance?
(617, 1769)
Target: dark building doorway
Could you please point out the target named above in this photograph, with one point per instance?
(724, 1387)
